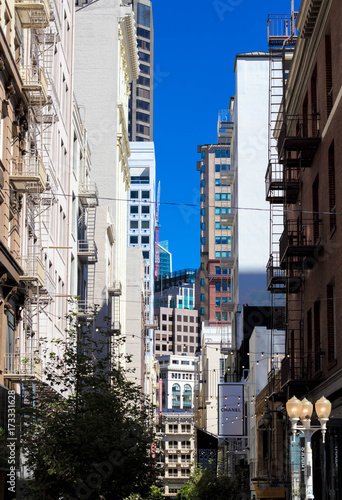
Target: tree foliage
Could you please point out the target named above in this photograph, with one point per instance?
(90, 439)
(208, 485)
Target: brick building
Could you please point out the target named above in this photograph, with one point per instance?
(309, 144)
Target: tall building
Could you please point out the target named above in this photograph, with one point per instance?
(308, 142)
(218, 241)
(140, 122)
(178, 329)
(249, 153)
(36, 151)
(141, 220)
(165, 258)
(177, 380)
(106, 36)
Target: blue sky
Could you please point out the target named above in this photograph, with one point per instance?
(195, 46)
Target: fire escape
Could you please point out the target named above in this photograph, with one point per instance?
(29, 178)
(295, 236)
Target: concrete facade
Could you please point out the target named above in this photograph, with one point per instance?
(177, 374)
(106, 37)
(140, 122)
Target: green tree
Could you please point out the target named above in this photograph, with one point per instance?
(93, 442)
(155, 493)
(207, 485)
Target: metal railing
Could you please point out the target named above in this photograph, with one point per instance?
(33, 270)
(23, 365)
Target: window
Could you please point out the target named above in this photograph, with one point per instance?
(203, 226)
(145, 224)
(173, 428)
(133, 224)
(202, 155)
(173, 445)
(185, 445)
(217, 168)
(143, 16)
(217, 225)
(143, 104)
(224, 196)
(217, 255)
(217, 301)
(202, 183)
(143, 117)
(218, 210)
(203, 240)
(224, 316)
(145, 240)
(332, 190)
(218, 316)
(328, 73)
(202, 281)
(202, 197)
(144, 45)
(218, 287)
(224, 287)
(217, 270)
(145, 209)
(217, 196)
(331, 324)
(217, 153)
(224, 240)
(203, 212)
(202, 311)
(146, 255)
(224, 271)
(145, 195)
(176, 394)
(217, 240)
(143, 33)
(186, 427)
(146, 70)
(224, 210)
(202, 297)
(143, 57)
(134, 195)
(133, 240)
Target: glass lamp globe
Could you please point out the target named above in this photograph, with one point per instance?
(293, 407)
(323, 407)
(306, 409)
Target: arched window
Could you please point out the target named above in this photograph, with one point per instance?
(176, 396)
(173, 445)
(187, 396)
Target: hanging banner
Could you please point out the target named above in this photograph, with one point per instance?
(230, 410)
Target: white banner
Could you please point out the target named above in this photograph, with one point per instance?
(230, 410)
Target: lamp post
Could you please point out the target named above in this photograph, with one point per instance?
(302, 410)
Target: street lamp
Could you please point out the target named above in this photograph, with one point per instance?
(302, 410)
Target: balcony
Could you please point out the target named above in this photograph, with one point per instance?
(277, 279)
(19, 366)
(28, 174)
(227, 176)
(86, 248)
(300, 243)
(299, 369)
(33, 270)
(228, 219)
(281, 29)
(228, 261)
(33, 13)
(88, 194)
(299, 135)
(35, 85)
(282, 188)
(227, 306)
(85, 309)
(116, 289)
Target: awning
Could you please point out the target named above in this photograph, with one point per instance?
(263, 489)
